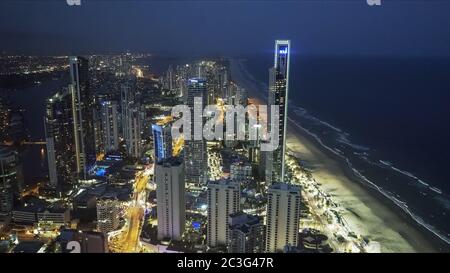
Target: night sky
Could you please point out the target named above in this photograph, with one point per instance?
(316, 27)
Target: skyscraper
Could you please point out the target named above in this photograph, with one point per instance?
(110, 125)
(223, 200)
(125, 65)
(171, 205)
(169, 79)
(126, 100)
(82, 108)
(246, 233)
(61, 152)
(278, 95)
(133, 139)
(9, 180)
(195, 150)
(162, 140)
(131, 121)
(283, 214)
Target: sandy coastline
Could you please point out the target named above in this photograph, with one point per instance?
(366, 213)
(365, 210)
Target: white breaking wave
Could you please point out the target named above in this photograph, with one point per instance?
(304, 113)
(410, 175)
(436, 190)
(344, 140)
(423, 183)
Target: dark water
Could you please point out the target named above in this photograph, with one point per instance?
(32, 100)
(388, 119)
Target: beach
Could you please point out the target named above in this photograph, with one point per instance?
(365, 210)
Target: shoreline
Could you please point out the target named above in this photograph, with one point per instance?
(400, 233)
(368, 212)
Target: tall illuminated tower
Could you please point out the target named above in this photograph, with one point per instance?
(131, 121)
(82, 107)
(61, 149)
(278, 95)
(195, 149)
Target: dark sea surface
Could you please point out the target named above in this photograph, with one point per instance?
(388, 119)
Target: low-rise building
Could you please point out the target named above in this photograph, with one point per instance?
(241, 171)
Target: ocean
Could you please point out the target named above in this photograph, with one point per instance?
(388, 119)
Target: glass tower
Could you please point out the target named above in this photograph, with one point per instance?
(278, 95)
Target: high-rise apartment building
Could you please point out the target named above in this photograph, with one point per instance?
(131, 122)
(283, 214)
(246, 233)
(170, 195)
(109, 125)
(223, 200)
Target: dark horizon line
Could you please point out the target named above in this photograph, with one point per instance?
(212, 55)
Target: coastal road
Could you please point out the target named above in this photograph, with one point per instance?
(128, 240)
(134, 227)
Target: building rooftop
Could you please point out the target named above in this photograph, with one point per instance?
(171, 161)
(28, 247)
(285, 187)
(196, 80)
(224, 183)
(243, 221)
(39, 206)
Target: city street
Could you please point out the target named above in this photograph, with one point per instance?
(128, 239)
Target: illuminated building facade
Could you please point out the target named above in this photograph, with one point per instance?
(223, 200)
(278, 95)
(110, 126)
(60, 141)
(131, 122)
(195, 150)
(107, 215)
(170, 195)
(283, 214)
(82, 109)
(162, 141)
